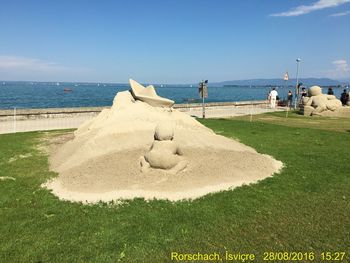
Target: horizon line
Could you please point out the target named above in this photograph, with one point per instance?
(164, 83)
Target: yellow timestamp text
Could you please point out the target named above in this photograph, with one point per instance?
(303, 256)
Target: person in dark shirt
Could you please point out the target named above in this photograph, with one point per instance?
(344, 97)
(330, 91)
(303, 92)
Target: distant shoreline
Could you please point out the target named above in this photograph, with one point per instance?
(259, 82)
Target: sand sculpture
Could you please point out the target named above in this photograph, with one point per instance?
(137, 149)
(324, 105)
(149, 95)
(164, 153)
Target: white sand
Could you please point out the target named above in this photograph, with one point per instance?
(102, 161)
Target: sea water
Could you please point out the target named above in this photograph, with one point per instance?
(65, 95)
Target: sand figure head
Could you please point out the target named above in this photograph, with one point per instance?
(315, 90)
(164, 131)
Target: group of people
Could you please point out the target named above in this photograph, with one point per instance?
(273, 97)
(344, 97)
(303, 93)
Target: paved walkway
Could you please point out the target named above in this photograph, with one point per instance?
(10, 126)
(42, 124)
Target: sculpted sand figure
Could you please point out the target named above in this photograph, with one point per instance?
(102, 161)
(320, 102)
(148, 95)
(165, 153)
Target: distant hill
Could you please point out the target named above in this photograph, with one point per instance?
(279, 82)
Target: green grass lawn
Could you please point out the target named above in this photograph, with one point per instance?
(294, 119)
(305, 208)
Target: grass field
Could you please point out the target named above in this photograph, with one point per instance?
(293, 119)
(306, 208)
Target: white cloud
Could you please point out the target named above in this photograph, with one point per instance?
(14, 63)
(340, 69)
(305, 9)
(341, 65)
(340, 14)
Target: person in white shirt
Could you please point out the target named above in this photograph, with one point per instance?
(273, 97)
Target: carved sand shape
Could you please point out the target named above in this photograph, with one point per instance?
(320, 102)
(148, 95)
(164, 154)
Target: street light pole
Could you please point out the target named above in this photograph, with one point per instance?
(203, 91)
(297, 84)
(203, 108)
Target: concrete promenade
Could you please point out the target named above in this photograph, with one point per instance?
(22, 120)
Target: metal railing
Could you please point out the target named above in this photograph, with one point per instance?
(22, 120)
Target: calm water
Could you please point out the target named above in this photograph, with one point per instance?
(51, 95)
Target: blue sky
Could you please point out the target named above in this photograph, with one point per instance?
(173, 41)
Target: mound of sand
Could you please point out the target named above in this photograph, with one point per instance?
(102, 162)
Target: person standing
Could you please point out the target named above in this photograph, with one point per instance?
(344, 97)
(290, 99)
(303, 92)
(330, 91)
(273, 97)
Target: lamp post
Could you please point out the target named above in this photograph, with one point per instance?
(203, 92)
(297, 84)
